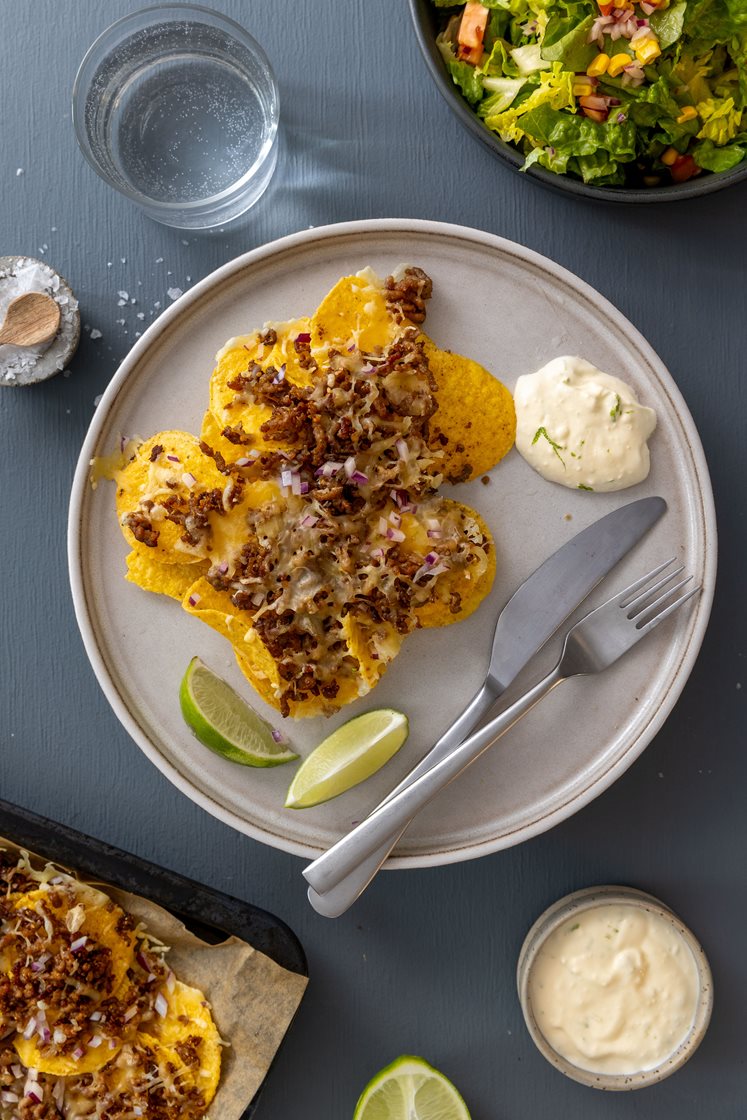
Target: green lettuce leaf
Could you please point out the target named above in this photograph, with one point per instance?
(668, 23)
(721, 120)
(566, 39)
(711, 158)
(579, 136)
(555, 89)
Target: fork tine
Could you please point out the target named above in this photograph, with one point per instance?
(635, 606)
(650, 608)
(639, 583)
(668, 610)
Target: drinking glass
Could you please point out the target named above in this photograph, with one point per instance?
(176, 107)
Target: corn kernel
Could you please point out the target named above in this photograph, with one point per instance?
(599, 65)
(582, 88)
(689, 113)
(647, 51)
(617, 64)
(669, 156)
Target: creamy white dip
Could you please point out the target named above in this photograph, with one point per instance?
(614, 989)
(581, 427)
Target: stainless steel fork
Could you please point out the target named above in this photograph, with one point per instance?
(593, 644)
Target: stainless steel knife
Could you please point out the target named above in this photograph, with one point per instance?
(529, 619)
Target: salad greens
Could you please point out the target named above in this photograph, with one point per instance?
(630, 92)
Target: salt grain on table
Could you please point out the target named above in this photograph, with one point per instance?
(24, 365)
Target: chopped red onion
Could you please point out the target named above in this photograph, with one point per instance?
(95, 1042)
(170, 981)
(30, 1027)
(189, 479)
(304, 487)
(193, 601)
(435, 534)
(160, 1005)
(58, 1091)
(78, 1053)
(327, 470)
(9, 1097)
(286, 478)
(359, 478)
(620, 118)
(258, 598)
(350, 466)
(277, 735)
(431, 558)
(173, 458)
(130, 1013)
(95, 1016)
(383, 526)
(223, 567)
(395, 519)
(303, 337)
(280, 375)
(16, 1070)
(296, 483)
(58, 1036)
(395, 534)
(242, 462)
(308, 522)
(402, 449)
(34, 1091)
(377, 552)
(143, 961)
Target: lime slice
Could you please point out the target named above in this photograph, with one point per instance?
(350, 754)
(225, 723)
(410, 1089)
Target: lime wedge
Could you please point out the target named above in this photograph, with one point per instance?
(350, 754)
(225, 723)
(410, 1089)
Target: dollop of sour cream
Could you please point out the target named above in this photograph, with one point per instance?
(614, 989)
(581, 427)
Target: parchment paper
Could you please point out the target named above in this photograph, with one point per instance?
(253, 999)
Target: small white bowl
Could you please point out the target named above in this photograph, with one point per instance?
(588, 899)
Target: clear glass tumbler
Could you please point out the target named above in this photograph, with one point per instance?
(176, 106)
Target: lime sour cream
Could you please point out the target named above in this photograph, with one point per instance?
(581, 427)
(614, 989)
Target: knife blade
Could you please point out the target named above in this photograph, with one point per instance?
(529, 619)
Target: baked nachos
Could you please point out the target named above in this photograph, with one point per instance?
(306, 522)
(93, 1022)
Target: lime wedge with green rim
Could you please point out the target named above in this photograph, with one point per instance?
(348, 756)
(410, 1089)
(225, 723)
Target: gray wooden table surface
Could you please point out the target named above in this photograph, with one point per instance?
(425, 963)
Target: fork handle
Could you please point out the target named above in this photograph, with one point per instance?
(394, 815)
(341, 894)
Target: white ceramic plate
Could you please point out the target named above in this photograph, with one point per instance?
(512, 310)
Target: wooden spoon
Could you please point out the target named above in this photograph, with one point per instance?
(30, 319)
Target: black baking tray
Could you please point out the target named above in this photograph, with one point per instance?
(207, 913)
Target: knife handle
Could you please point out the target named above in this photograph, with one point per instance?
(344, 856)
(344, 888)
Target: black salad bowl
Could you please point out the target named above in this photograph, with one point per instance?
(426, 20)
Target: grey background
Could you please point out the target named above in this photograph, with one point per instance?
(425, 963)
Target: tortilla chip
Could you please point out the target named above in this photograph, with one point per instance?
(102, 924)
(188, 1021)
(174, 580)
(475, 414)
(354, 311)
(471, 584)
(142, 477)
(226, 406)
(373, 645)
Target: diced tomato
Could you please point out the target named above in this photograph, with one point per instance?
(683, 168)
(605, 9)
